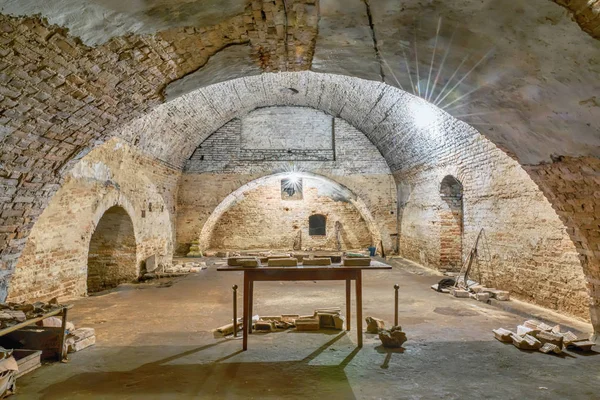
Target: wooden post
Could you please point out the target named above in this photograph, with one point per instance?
(63, 336)
(250, 303)
(348, 303)
(246, 317)
(359, 307)
(235, 310)
(396, 287)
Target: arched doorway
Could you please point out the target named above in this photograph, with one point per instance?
(451, 224)
(112, 254)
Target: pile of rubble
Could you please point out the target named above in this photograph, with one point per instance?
(536, 335)
(13, 313)
(175, 269)
(322, 318)
(391, 338)
(185, 268)
(471, 290)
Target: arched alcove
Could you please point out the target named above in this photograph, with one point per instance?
(112, 253)
(352, 226)
(451, 223)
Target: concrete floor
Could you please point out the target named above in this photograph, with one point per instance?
(154, 341)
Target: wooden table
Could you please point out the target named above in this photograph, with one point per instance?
(62, 312)
(300, 273)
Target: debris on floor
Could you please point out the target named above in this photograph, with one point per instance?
(322, 318)
(79, 339)
(374, 325)
(537, 335)
(393, 337)
(471, 289)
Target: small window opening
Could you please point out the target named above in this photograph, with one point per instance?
(316, 225)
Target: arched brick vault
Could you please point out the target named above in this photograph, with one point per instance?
(385, 114)
(60, 96)
(374, 227)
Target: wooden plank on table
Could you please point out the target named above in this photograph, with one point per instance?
(33, 320)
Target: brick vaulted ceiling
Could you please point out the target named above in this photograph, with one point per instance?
(72, 72)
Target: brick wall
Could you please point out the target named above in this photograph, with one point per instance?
(573, 187)
(526, 248)
(54, 261)
(261, 219)
(220, 166)
(60, 97)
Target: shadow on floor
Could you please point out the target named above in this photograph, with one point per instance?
(217, 379)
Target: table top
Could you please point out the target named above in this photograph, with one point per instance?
(375, 265)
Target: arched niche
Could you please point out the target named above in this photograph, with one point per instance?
(112, 251)
(451, 223)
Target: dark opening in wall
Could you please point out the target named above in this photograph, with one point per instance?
(316, 225)
(291, 188)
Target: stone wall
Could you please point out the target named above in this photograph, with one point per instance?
(262, 219)
(111, 257)
(54, 261)
(525, 247)
(220, 165)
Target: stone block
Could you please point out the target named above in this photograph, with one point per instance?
(356, 262)
(264, 326)
(548, 337)
(316, 261)
(460, 293)
(82, 344)
(503, 335)
(569, 337)
(526, 342)
(307, 324)
(392, 338)
(249, 263)
(583, 345)
(484, 297)
(532, 324)
(283, 262)
(330, 321)
(501, 295)
(548, 348)
(523, 330)
(235, 261)
(374, 325)
(82, 333)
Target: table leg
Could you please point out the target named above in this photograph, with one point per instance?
(245, 318)
(359, 332)
(348, 303)
(63, 336)
(250, 303)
